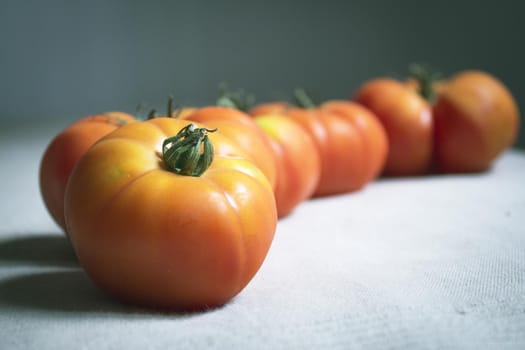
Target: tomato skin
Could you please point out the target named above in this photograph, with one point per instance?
(268, 108)
(242, 129)
(298, 161)
(375, 139)
(155, 238)
(64, 151)
(407, 119)
(476, 118)
(340, 147)
(184, 112)
(343, 145)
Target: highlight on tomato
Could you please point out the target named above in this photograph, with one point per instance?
(169, 214)
(235, 124)
(297, 158)
(407, 120)
(350, 142)
(242, 129)
(64, 151)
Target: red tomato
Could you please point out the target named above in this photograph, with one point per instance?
(407, 119)
(298, 162)
(168, 215)
(65, 150)
(476, 118)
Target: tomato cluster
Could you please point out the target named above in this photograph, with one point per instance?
(179, 211)
(459, 125)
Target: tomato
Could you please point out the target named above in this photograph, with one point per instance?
(298, 161)
(277, 107)
(152, 226)
(407, 119)
(65, 150)
(375, 139)
(183, 113)
(241, 128)
(476, 118)
(347, 137)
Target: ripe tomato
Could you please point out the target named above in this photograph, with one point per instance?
(407, 119)
(344, 145)
(65, 150)
(476, 118)
(298, 161)
(277, 107)
(375, 140)
(153, 226)
(241, 128)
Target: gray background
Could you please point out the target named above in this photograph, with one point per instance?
(61, 60)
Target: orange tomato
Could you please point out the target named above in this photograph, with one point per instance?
(372, 132)
(64, 151)
(298, 162)
(183, 112)
(407, 119)
(476, 118)
(342, 144)
(153, 226)
(241, 128)
(276, 107)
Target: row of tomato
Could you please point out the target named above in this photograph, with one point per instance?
(179, 211)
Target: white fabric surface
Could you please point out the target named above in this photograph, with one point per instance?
(424, 263)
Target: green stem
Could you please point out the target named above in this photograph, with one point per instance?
(170, 107)
(426, 77)
(239, 99)
(302, 99)
(152, 114)
(190, 152)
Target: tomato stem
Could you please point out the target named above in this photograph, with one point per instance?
(169, 113)
(426, 77)
(190, 152)
(173, 111)
(302, 99)
(152, 114)
(238, 99)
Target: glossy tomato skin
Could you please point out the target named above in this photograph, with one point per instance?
(297, 158)
(371, 131)
(476, 118)
(341, 143)
(407, 119)
(340, 147)
(241, 128)
(64, 151)
(158, 239)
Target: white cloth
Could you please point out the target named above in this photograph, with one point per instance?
(433, 262)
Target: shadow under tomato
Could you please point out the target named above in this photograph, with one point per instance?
(66, 291)
(39, 249)
(70, 291)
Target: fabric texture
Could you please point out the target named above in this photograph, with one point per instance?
(434, 262)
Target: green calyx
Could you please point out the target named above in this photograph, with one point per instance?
(302, 99)
(238, 99)
(190, 152)
(426, 77)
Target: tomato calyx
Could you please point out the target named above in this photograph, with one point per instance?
(190, 152)
(425, 77)
(238, 99)
(302, 99)
(172, 111)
